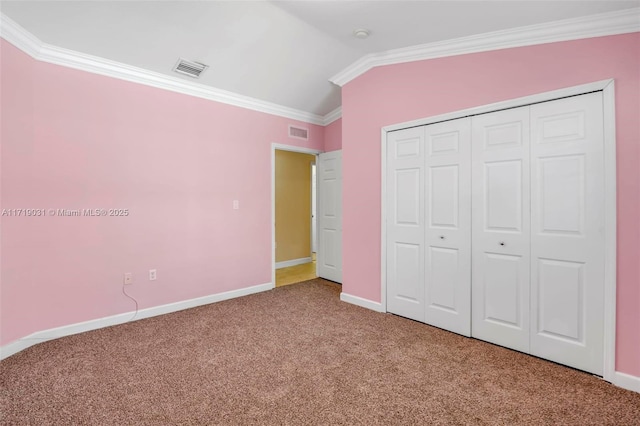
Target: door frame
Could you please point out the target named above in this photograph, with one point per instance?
(291, 148)
(607, 87)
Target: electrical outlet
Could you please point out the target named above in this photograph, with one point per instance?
(236, 204)
(152, 275)
(128, 278)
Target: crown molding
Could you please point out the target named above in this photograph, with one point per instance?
(332, 116)
(31, 45)
(19, 37)
(619, 22)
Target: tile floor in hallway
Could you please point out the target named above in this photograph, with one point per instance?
(297, 273)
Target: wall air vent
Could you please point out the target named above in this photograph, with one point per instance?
(298, 133)
(190, 68)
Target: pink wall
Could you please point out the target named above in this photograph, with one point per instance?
(333, 136)
(397, 93)
(74, 140)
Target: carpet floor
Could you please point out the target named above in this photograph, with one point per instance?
(295, 355)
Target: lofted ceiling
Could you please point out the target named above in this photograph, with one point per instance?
(282, 52)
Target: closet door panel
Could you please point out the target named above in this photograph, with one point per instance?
(567, 247)
(502, 183)
(501, 228)
(448, 225)
(504, 279)
(405, 223)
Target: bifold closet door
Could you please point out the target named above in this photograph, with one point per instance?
(567, 238)
(495, 228)
(448, 225)
(501, 228)
(405, 223)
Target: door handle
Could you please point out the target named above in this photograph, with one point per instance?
(442, 237)
(501, 243)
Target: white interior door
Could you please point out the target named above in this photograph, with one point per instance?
(329, 255)
(405, 223)
(314, 221)
(567, 238)
(501, 228)
(448, 225)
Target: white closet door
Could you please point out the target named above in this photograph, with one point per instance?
(329, 261)
(448, 225)
(567, 250)
(405, 223)
(501, 228)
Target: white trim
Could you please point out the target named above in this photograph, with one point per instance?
(81, 327)
(293, 262)
(610, 235)
(610, 226)
(332, 116)
(618, 22)
(19, 37)
(610, 284)
(626, 381)
(31, 45)
(359, 301)
(282, 147)
(383, 218)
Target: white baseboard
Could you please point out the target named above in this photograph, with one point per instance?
(626, 381)
(293, 262)
(359, 301)
(67, 330)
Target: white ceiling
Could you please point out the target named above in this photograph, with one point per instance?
(277, 51)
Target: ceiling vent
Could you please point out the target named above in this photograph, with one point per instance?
(190, 68)
(298, 133)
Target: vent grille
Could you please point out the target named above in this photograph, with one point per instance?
(298, 133)
(190, 68)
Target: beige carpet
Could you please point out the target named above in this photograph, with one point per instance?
(295, 355)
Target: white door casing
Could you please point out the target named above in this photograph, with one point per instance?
(405, 223)
(567, 231)
(329, 255)
(448, 225)
(501, 228)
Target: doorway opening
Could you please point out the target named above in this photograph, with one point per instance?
(293, 215)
